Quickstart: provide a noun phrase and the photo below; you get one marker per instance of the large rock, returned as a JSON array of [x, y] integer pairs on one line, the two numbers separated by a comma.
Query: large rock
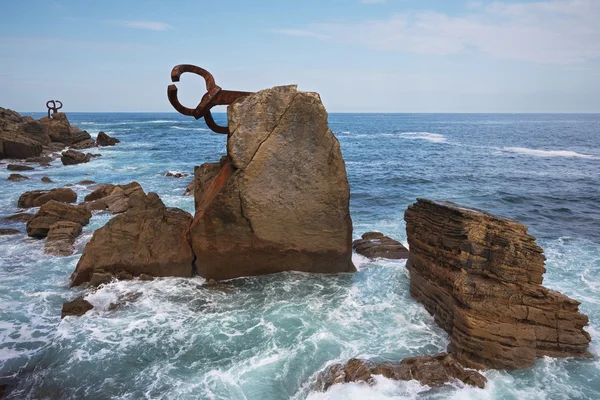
[[114, 198], [78, 136], [61, 237], [71, 157], [76, 308], [104, 140], [36, 198], [377, 245], [147, 239], [15, 145], [52, 212], [11, 123], [84, 144], [280, 202], [58, 128], [428, 370], [480, 276]]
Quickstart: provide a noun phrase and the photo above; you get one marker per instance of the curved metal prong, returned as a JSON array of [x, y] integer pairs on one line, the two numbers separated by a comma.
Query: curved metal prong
[[172, 95], [208, 118], [180, 69]]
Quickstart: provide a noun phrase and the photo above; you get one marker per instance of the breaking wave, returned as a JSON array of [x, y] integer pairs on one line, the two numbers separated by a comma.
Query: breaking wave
[[546, 153], [431, 137]]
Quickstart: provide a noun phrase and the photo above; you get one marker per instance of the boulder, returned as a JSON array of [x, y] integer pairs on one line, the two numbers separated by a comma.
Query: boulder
[[58, 128], [480, 276], [78, 136], [8, 231], [36, 198], [26, 127], [71, 157], [45, 179], [86, 182], [104, 140], [176, 174], [114, 198], [15, 145], [147, 239], [76, 308], [427, 370], [377, 245], [84, 144], [17, 178], [39, 159], [61, 237], [280, 201], [52, 212], [19, 167], [20, 217]]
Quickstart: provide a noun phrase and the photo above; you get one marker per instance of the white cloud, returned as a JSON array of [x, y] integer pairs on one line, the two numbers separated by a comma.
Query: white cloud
[[554, 31], [149, 25]]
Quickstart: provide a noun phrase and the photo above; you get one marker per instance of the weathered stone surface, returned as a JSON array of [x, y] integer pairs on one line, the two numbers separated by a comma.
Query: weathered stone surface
[[17, 178], [203, 176], [428, 370], [39, 159], [76, 308], [58, 128], [104, 140], [20, 135], [78, 136], [15, 145], [480, 276], [281, 200], [190, 188], [52, 212], [8, 231], [114, 198], [147, 239], [19, 167], [19, 217], [61, 237], [376, 244], [36, 198], [71, 157], [84, 144]]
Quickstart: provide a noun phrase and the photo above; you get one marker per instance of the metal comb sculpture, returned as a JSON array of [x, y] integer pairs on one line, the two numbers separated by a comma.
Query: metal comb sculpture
[[214, 96], [53, 107]]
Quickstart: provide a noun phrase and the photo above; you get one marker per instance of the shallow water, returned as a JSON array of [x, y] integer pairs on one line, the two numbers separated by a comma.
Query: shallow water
[[266, 337]]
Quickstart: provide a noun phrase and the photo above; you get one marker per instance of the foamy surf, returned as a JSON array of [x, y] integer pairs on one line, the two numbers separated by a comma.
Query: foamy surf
[[431, 137], [546, 153]]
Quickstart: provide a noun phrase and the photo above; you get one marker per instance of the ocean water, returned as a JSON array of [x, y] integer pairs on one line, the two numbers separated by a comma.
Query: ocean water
[[266, 337]]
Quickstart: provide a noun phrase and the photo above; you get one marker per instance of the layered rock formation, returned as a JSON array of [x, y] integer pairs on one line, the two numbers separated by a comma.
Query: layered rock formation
[[428, 370], [61, 237], [480, 276], [148, 239], [280, 201], [114, 198], [52, 212], [377, 245], [36, 198]]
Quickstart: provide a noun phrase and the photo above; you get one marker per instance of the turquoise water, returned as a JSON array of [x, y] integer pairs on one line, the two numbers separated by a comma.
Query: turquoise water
[[266, 337]]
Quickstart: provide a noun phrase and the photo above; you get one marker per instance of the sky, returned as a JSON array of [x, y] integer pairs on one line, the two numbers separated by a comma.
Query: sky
[[360, 55]]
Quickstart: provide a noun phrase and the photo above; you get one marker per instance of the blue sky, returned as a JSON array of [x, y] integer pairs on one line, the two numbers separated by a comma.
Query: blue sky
[[361, 56]]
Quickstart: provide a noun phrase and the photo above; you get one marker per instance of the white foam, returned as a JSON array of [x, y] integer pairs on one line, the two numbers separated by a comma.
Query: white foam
[[431, 137], [188, 129], [546, 153]]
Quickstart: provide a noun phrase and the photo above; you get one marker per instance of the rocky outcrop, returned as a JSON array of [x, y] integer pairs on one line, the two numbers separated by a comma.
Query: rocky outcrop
[[19, 167], [280, 201], [428, 370], [61, 237], [104, 140], [71, 157], [76, 308], [15, 145], [147, 239], [377, 245], [36, 198], [84, 144], [79, 136], [114, 198], [52, 212], [17, 178], [20, 137], [480, 276], [58, 128]]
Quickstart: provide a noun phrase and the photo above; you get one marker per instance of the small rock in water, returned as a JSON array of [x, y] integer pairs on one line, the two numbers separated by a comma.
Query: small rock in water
[[19, 167], [39, 159], [77, 308], [52, 212], [176, 174], [45, 179], [16, 178], [377, 245], [8, 231], [20, 217], [86, 182], [104, 140], [36, 198], [71, 157]]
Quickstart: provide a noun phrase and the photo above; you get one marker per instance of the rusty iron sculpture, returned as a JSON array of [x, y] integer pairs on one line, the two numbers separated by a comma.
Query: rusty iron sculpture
[[214, 96], [51, 104]]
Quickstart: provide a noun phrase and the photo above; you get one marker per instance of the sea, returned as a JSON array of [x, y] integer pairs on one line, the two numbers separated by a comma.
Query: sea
[[267, 337]]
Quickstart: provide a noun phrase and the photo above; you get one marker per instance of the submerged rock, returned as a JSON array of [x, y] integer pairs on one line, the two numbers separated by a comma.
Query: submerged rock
[[8, 231], [19, 167], [480, 276], [104, 140], [61, 237], [71, 157], [36, 198], [280, 201], [45, 179], [76, 308], [19, 217], [176, 174], [52, 212], [147, 239], [428, 370], [376, 244], [17, 178]]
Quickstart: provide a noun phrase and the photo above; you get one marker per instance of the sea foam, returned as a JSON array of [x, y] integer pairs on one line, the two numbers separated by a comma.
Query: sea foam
[[431, 137], [546, 153]]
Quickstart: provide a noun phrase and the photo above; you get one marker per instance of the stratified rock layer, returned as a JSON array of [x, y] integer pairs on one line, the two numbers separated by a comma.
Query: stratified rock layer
[[280, 201], [428, 370], [480, 276], [147, 239], [377, 245]]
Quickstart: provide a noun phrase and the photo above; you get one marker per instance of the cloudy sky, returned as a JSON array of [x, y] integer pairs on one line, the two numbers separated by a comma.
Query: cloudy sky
[[360, 55]]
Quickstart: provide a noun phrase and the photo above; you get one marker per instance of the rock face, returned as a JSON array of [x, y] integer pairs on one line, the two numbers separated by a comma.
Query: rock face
[[114, 198], [58, 128], [104, 140], [15, 145], [52, 212], [84, 144], [77, 308], [61, 237], [71, 157], [147, 239], [480, 276], [36, 198], [20, 137], [280, 201], [377, 245], [428, 370]]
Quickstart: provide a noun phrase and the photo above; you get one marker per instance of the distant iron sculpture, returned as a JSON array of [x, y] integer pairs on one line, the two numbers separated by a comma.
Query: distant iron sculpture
[[51, 104], [214, 96]]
